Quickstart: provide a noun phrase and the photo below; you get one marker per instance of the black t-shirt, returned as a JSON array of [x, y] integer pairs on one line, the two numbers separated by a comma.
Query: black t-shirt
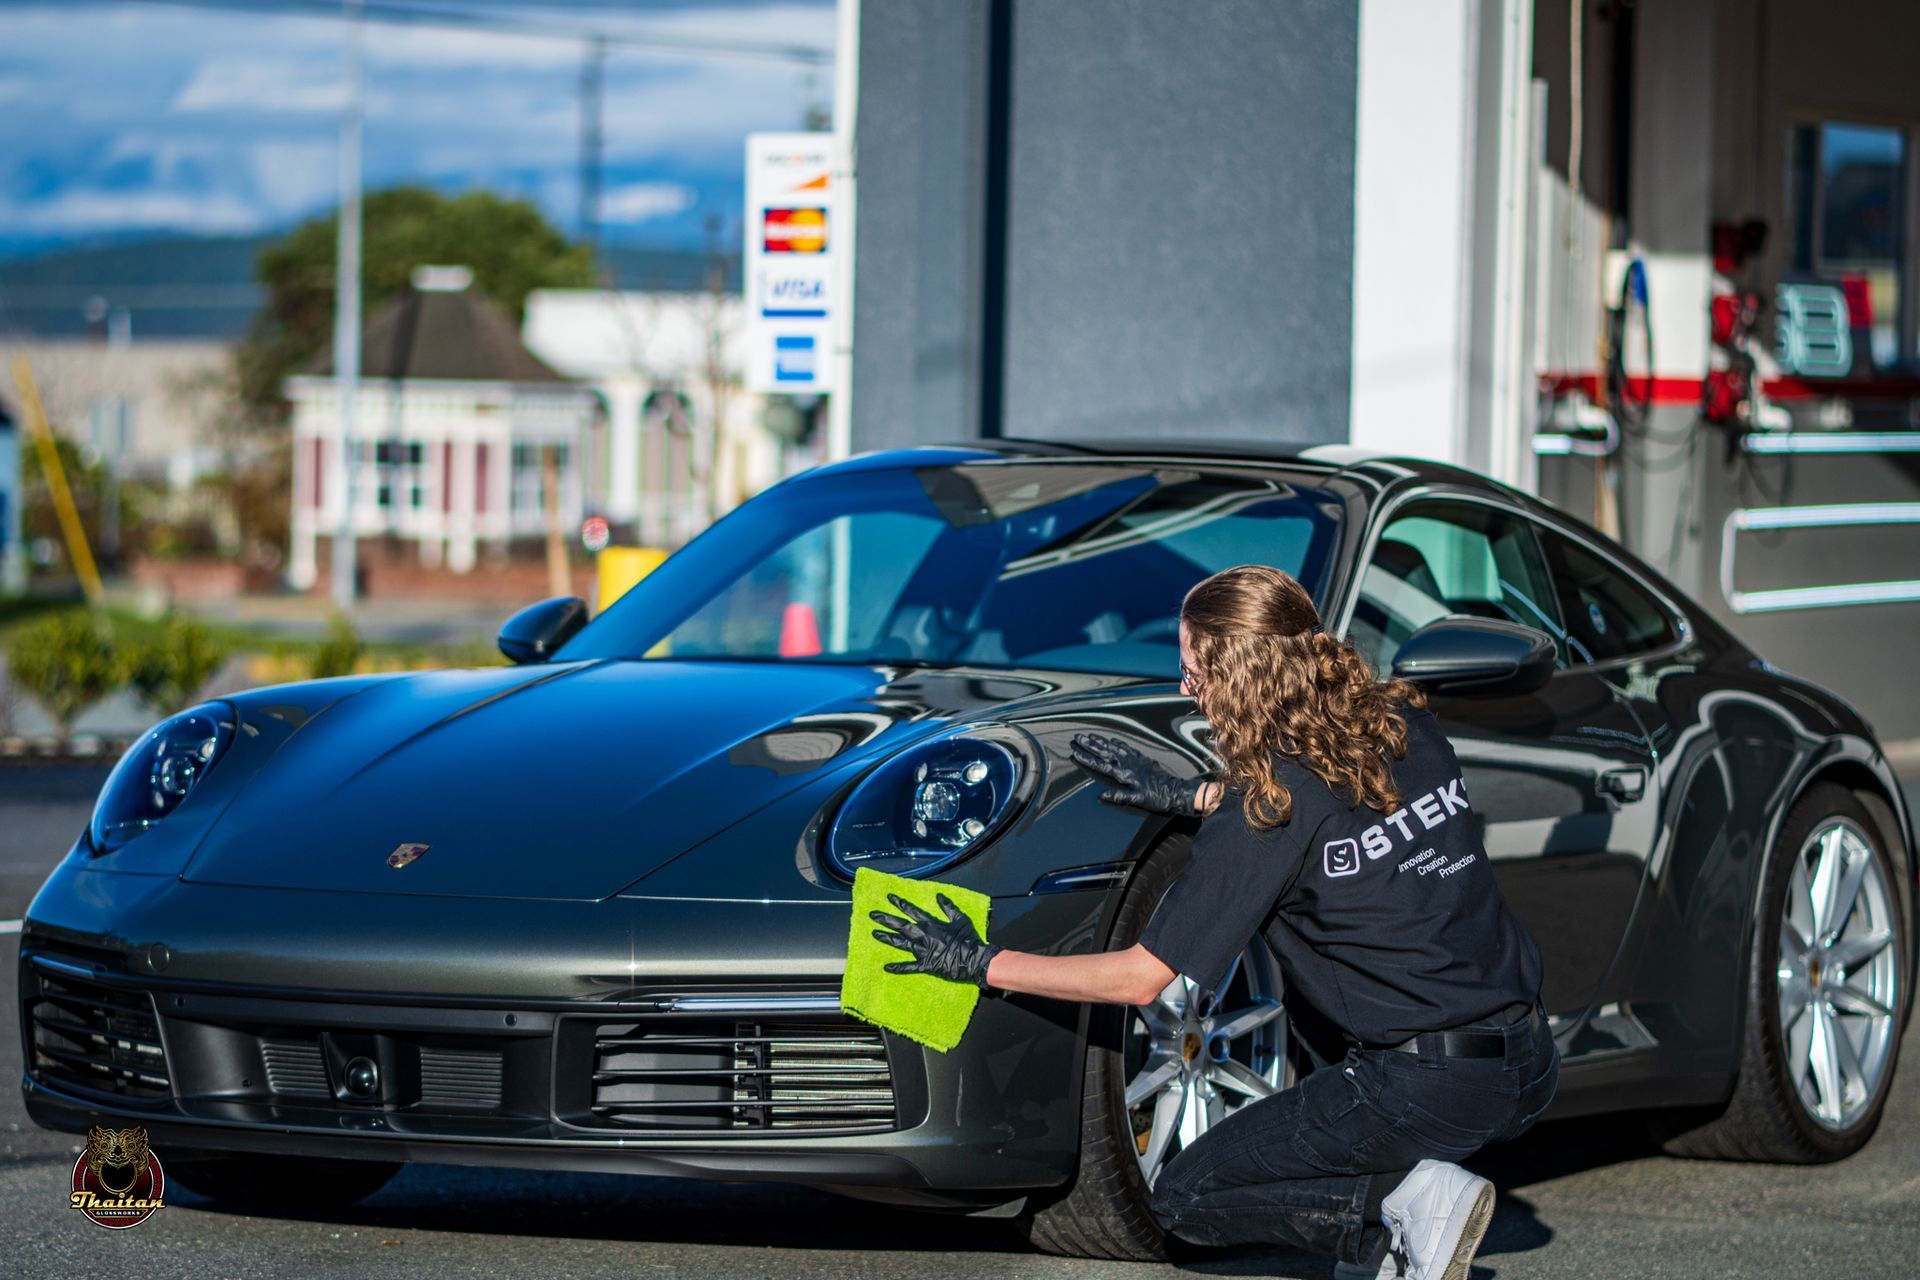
[[1389, 924]]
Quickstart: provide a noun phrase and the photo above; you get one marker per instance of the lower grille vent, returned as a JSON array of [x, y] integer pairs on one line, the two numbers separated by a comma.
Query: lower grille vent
[[686, 1074], [91, 1036], [460, 1077], [295, 1068]]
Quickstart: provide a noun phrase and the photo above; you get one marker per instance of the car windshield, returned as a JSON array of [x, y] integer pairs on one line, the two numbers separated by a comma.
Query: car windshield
[[1070, 565]]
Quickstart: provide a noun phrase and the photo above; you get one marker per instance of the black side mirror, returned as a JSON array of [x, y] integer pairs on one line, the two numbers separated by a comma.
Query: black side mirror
[[536, 632], [1476, 656]]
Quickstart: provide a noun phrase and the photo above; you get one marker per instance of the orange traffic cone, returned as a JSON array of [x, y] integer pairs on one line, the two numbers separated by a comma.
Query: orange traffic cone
[[799, 632]]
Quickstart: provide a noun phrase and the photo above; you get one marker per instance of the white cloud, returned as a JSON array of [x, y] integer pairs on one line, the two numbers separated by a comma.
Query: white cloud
[[263, 85], [292, 178], [84, 211], [810, 26], [420, 48], [222, 121], [643, 201]]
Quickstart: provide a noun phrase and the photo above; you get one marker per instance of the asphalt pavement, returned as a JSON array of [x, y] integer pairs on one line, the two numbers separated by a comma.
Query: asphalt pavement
[[1578, 1199]]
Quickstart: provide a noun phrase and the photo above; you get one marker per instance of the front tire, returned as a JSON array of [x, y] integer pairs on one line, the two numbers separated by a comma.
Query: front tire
[[279, 1182], [1158, 1081], [1826, 993]]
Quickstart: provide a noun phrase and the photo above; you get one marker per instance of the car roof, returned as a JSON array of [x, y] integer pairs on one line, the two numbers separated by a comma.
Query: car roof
[[1384, 470]]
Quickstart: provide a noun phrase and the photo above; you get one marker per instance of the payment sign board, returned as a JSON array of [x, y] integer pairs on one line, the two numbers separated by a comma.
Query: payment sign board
[[790, 248]]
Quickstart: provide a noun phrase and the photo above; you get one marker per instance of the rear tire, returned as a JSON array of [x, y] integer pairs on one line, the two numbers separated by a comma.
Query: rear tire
[[279, 1182], [1815, 1091]]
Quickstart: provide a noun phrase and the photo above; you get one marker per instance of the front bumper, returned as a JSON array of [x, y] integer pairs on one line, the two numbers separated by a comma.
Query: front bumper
[[516, 1079]]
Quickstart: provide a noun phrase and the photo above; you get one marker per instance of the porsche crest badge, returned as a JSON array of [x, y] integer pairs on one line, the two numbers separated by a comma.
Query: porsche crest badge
[[404, 854]]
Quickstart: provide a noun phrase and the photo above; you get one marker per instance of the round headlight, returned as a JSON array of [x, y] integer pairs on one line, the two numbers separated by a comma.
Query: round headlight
[[929, 805], [159, 772]]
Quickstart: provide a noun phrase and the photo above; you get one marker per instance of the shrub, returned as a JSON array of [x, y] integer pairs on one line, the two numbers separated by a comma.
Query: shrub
[[339, 653], [67, 662], [167, 670]]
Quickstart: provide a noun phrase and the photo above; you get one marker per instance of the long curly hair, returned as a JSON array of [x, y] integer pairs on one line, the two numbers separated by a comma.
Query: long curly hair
[[1271, 680]]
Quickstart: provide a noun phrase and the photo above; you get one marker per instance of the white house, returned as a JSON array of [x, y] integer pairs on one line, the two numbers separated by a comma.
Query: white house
[[670, 368], [451, 417]]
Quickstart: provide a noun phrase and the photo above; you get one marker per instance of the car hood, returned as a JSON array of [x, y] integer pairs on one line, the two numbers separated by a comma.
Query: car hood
[[567, 781]]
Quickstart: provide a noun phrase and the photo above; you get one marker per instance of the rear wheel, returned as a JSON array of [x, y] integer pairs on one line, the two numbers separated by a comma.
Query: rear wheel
[[1826, 993], [279, 1182], [1177, 1066]]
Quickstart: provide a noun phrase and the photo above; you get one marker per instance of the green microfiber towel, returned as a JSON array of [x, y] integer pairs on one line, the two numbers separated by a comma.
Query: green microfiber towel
[[919, 1006]]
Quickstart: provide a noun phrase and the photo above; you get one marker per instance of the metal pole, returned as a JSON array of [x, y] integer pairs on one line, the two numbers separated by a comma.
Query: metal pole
[[846, 95], [346, 316], [592, 81]]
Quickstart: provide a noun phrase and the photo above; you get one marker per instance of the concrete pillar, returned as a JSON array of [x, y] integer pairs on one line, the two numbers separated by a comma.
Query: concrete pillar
[[303, 568], [460, 519], [1412, 234], [1443, 177], [1670, 211], [624, 399]]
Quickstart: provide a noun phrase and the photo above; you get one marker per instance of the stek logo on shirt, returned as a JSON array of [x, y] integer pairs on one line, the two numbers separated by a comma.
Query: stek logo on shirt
[[1342, 857]]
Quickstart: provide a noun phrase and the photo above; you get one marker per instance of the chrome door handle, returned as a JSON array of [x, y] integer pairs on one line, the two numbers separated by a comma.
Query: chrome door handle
[[1624, 785]]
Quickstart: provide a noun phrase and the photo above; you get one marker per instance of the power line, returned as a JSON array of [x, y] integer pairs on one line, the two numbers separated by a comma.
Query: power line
[[401, 14]]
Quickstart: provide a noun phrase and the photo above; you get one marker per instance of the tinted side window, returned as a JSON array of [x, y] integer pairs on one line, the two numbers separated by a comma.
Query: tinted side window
[[1439, 559], [1607, 614]]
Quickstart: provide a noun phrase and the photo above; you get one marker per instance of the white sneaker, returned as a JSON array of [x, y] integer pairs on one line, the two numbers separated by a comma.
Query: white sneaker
[[1437, 1217], [1389, 1269]]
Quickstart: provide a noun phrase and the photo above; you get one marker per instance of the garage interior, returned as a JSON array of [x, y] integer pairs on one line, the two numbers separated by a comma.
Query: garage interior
[[1651, 261]]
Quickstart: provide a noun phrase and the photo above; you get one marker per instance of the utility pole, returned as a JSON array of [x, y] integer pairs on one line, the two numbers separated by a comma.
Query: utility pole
[[346, 314], [846, 94], [593, 74]]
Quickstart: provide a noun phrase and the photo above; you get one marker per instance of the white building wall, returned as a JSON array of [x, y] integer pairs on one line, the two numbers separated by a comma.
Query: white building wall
[[1443, 217], [1414, 156], [628, 345], [175, 393]]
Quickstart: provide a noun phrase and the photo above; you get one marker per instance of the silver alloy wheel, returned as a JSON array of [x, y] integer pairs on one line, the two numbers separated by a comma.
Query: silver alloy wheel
[[1838, 974], [1189, 1063]]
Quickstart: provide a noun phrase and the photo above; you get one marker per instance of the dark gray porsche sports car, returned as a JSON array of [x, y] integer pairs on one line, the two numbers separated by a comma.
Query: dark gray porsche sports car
[[591, 911]]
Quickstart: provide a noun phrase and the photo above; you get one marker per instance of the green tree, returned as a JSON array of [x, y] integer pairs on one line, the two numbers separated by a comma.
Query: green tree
[[510, 246], [86, 481], [67, 662], [339, 653], [168, 669]]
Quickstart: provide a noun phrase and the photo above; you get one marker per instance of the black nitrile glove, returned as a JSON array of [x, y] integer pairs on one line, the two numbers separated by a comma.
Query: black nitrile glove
[[1140, 781], [950, 948]]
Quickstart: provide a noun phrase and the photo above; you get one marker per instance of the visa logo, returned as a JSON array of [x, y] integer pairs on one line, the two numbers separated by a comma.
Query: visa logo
[[793, 296], [790, 290]]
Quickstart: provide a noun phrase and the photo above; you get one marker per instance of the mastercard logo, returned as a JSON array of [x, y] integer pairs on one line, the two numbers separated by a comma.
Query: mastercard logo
[[796, 231]]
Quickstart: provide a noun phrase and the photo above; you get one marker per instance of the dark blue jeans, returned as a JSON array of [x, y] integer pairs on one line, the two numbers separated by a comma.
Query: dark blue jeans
[[1308, 1166]]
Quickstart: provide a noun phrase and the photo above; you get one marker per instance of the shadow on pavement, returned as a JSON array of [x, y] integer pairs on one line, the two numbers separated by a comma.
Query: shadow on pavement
[[639, 1209], [454, 1198]]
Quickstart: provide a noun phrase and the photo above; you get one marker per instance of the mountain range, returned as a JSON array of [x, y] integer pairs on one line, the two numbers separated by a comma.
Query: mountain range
[[204, 286]]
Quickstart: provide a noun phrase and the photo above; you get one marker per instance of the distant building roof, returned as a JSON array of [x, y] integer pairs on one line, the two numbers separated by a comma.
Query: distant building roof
[[442, 332]]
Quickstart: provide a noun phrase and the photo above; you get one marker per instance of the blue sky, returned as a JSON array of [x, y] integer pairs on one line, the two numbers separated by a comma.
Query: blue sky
[[118, 119]]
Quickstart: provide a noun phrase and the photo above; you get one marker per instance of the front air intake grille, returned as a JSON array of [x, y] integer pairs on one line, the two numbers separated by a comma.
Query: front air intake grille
[[295, 1068], [94, 1037], [460, 1077], [732, 1075]]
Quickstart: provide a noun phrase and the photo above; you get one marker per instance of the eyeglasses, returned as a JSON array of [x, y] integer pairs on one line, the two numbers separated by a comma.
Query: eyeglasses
[[1189, 678]]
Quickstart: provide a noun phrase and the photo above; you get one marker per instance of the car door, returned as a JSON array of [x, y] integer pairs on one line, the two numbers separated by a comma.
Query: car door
[[1560, 777]]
